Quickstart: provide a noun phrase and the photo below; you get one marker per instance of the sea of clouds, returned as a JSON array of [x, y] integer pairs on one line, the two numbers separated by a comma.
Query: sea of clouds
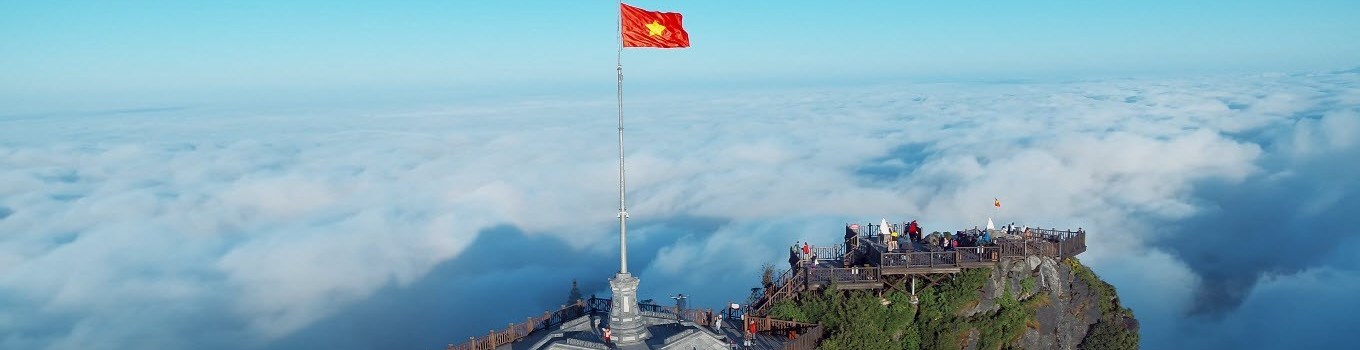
[[1218, 206]]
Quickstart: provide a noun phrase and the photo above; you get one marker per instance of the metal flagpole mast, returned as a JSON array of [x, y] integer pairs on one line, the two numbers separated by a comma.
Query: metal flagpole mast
[[623, 208]]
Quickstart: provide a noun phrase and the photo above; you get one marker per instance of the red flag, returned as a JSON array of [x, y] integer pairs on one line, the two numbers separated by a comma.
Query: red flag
[[642, 28]]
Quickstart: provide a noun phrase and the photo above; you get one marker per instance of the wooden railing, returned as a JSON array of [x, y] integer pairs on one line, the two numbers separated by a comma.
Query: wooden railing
[[801, 336], [954, 258], [808, 340], [1050, 243], [1046, 242], [833, 252], [791, 282], [788, 284], [843, 275], [582, 307]]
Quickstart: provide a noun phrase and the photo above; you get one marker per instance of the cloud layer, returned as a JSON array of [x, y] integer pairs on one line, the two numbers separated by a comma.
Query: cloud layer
[[211, 228]]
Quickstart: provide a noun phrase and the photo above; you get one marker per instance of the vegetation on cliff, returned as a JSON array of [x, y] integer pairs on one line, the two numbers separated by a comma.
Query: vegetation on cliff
[[949, 315], [1117, 329]]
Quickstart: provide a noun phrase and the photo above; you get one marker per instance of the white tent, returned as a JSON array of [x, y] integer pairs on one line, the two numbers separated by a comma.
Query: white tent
[[989, 224]]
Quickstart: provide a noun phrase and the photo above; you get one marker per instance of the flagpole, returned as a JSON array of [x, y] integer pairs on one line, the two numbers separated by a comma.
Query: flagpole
[[623, 208]]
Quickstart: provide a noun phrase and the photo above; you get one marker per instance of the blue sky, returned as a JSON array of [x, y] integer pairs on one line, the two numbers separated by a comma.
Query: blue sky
[[166, 51]]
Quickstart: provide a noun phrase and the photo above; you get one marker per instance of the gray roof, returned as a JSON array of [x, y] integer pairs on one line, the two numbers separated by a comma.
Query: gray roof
[[583, 333]]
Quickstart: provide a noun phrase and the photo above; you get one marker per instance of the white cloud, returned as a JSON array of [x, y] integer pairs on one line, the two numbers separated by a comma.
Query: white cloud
[[273, 223]]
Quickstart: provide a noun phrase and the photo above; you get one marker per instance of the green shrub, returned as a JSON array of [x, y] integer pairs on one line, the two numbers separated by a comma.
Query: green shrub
[[1005, 326], [1104, 291], [1107, 334], [788, 310]]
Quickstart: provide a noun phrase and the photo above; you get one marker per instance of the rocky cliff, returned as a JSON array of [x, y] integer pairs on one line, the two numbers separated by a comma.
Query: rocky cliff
[[1067, 305], [1032, 303]]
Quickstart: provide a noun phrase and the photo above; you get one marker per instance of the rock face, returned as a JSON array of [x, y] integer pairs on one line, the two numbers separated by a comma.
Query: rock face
[[1076, 302], [1031, 303]]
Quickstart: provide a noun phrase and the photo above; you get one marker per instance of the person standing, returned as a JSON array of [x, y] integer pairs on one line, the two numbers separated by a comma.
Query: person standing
[[750, 332], [807, 250], [743, 328], [892, 245]]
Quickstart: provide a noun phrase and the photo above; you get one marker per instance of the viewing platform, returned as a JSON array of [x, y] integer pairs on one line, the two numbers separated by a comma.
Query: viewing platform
[[864, 262]]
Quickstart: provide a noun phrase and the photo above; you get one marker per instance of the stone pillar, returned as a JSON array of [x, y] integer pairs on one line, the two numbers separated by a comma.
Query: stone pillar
[[625, 320]]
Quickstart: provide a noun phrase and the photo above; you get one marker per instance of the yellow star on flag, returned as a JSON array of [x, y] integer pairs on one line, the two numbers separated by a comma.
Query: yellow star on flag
[[655, 28]]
